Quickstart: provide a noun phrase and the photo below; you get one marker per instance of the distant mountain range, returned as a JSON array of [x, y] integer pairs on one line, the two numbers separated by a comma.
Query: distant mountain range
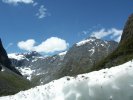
[[78, 59], [37, 68]]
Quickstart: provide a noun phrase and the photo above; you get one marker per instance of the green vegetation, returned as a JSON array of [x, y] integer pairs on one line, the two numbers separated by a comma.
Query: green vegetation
[[11, 83], [124, 52]]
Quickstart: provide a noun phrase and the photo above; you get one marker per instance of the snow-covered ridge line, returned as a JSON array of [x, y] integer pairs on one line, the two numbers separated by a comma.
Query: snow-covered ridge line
[[62, 53], [115, 83], [16, 56], [84, 42]]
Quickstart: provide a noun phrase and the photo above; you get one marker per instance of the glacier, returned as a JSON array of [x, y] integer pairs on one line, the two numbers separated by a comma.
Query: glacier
[[114, 83]]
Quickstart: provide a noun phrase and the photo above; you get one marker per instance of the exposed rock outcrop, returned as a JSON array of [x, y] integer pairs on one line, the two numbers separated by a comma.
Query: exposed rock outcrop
[[83, 56], [11, 80], [5, 61]]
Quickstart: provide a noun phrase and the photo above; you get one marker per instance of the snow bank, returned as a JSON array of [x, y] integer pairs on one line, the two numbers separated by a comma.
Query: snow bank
[[108, 84]]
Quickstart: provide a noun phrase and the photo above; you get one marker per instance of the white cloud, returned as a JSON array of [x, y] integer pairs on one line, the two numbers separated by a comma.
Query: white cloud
[[112, 33], [18, 1], [42, 12], [27, 45], [50, 45]]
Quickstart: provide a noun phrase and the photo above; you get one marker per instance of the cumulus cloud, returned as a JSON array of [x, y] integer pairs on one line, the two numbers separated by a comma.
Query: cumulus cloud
[[18, 1], [42, 12], [27, 45], [112, 33], [50, 45]]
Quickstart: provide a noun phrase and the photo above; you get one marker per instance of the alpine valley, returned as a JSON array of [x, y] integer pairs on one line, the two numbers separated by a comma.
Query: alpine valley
[[92, 69]]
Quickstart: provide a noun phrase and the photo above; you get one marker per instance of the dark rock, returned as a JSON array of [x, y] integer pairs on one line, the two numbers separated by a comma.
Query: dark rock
[[128, 29], [5, 61], [32, 54], [11, 80], [43, 67], [83, 56]]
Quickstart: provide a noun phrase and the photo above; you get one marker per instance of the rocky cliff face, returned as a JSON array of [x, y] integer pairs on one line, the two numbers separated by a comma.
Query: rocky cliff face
[[37, 68], [3, 56], [23, 59], [83, 56], [11, 80], [5, 61]]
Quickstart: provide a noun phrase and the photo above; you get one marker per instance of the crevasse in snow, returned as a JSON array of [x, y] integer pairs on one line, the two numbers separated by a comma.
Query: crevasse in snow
[[115, 83]]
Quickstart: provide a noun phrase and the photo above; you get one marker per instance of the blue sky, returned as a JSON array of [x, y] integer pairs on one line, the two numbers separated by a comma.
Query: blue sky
[[58, 20]]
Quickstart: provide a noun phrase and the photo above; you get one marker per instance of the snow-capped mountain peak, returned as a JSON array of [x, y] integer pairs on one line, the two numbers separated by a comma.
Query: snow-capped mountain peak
[[85, 54], [90, 39], [16, 56], [62, 53], [32, 54], [35, 65], [21, 56]]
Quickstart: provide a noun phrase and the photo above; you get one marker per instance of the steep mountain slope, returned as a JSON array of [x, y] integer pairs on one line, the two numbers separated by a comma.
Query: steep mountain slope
[[11, 80], [11, 83], [79, 59], [82, 56], [37, 68], [115, 83], [124, 52], [4, 59]]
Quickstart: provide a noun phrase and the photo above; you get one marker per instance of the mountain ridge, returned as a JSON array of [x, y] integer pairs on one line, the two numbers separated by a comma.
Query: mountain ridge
[[45, 69], [124, 51], [83, 55], [11, 80]]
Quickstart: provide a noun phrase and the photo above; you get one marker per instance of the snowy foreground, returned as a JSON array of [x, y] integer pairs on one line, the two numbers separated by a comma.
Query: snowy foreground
[[108, 84]]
